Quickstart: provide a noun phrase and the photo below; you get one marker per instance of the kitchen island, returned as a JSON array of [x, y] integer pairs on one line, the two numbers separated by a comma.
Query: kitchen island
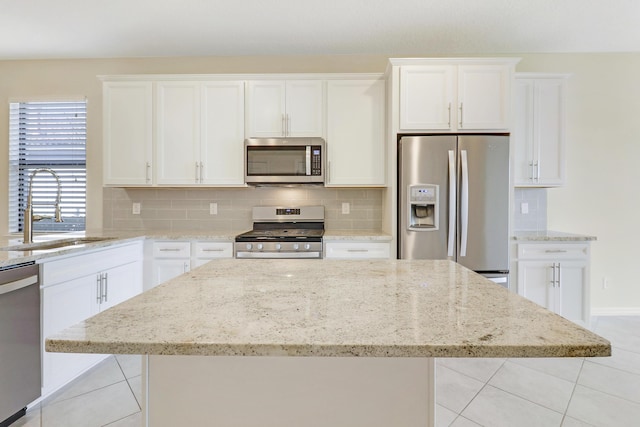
[[316, 342]]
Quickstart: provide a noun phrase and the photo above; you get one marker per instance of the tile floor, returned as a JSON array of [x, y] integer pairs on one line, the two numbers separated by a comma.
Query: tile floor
[[570, 392]]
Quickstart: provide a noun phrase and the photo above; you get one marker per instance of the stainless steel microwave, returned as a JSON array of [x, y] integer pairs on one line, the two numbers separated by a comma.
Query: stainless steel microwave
[[284, 161]]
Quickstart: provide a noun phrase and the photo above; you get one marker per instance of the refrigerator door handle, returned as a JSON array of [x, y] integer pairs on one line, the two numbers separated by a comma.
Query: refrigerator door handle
[[452, 203], [464, 203]]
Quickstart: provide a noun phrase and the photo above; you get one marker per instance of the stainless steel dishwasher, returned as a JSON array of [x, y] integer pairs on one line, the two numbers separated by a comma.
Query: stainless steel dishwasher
[[20, 378]]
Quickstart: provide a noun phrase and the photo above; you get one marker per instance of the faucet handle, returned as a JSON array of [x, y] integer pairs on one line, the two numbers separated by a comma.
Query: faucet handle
[[36, 218]]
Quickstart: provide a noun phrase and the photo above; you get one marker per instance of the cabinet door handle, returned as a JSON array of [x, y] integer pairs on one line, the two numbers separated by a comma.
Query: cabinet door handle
[[532, 172], [536, 169], [147, 174], [105, 290], [197, 171], [287, 126], [185, 267], [461, 115], [558, 276], [98, 288], [449, 122], [284, 126], [201, 172]]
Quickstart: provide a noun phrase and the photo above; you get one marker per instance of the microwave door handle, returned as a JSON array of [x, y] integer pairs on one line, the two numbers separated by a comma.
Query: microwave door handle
[[308, 160]]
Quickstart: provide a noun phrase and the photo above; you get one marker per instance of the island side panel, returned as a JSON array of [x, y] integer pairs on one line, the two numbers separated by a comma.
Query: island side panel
[[300, 391]]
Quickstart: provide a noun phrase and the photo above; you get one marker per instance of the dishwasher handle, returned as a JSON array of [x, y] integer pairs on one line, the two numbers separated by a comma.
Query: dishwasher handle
[[5, 288]]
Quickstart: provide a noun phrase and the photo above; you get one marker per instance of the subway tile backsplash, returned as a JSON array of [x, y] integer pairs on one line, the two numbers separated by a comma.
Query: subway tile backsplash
[[536, 219], [187, 209]]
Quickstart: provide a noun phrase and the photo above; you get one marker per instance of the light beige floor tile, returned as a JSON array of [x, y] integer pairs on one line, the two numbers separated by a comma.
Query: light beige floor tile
[[131, 364], [444, 416], [535, 386], [623, 335], [480, 369], [135, 384], [610, 380], [572, 422], [464, 422], [620, 359], [134, 420], [601, 409], [454, 390], [96, 408], [566, 368], [103, 374], [497, 408]]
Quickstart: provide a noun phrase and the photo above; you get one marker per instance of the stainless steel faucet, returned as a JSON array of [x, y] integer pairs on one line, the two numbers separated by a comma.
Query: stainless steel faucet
[[28, 210]]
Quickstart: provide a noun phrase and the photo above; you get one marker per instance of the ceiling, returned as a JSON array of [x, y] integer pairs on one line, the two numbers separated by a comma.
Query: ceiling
[[38, 29]]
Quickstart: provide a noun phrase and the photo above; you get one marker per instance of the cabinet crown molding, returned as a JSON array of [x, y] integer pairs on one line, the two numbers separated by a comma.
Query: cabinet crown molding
[[236, 77]]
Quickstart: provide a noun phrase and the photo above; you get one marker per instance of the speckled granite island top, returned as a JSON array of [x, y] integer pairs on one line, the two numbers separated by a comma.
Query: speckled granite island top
[[377, 308]]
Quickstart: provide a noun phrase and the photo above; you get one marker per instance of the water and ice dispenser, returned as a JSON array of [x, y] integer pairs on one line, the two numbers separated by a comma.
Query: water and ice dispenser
[[423, 207]]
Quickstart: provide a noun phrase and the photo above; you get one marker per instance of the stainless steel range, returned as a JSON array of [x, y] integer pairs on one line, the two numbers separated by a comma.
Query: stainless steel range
[[281, 232]]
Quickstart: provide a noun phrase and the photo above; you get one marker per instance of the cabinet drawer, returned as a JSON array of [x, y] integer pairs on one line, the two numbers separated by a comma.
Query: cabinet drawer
[[169, 249], [355, 250], [213, 250], [553, 251]]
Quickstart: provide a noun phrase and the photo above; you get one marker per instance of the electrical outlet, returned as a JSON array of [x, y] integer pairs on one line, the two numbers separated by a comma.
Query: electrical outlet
[[136, 209], [346, 208], [606, 282], [524, 208], [213, 209]]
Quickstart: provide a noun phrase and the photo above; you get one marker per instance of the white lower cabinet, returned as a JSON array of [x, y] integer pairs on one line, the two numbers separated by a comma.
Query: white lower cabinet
[[172, 258], [75, 288], [356, 250], [556, 276]]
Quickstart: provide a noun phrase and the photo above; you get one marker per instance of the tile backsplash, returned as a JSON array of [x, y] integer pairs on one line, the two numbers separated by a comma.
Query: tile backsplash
[[536, 200], [187, 209]]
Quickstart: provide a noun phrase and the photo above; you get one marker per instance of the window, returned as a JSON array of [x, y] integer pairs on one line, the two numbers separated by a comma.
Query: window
[[48, 135]]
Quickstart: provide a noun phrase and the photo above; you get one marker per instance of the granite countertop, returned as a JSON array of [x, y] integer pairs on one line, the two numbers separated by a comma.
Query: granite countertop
[[374, 308], [551, 236]]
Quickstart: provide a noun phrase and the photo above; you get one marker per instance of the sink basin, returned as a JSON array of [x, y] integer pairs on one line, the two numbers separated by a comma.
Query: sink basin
[[56, 244]]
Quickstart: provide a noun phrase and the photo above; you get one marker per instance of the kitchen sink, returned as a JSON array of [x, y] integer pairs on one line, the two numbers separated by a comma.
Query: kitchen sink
[[57, 244]]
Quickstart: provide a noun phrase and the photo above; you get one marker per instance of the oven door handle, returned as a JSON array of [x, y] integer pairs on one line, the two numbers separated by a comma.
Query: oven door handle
[[275, 255]]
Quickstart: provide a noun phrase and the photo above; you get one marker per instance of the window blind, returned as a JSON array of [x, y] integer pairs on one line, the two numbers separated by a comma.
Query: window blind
[[48, 135]]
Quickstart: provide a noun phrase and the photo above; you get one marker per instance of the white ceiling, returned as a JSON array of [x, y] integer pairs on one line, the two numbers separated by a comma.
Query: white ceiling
[[33, 29]]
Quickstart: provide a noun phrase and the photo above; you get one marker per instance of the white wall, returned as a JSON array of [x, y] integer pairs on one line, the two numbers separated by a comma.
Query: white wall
[[602, 194], [603, 136]]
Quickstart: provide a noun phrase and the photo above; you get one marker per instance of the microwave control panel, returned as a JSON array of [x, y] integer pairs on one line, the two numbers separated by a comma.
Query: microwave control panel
[[316, 160]]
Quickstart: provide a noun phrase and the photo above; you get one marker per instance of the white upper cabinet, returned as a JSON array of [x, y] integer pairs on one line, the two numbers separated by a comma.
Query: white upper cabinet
[[127, 133], [538, 134], [483, 97], [355, 133], [426, 97], [222, 133], [285, 108], [177, 133], [455, 97], [199, 133]]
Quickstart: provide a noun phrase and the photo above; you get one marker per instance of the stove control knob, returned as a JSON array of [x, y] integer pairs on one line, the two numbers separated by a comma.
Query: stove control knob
[[260, 246], [296, 246], [249, 246], [278, 246], [307, 246]]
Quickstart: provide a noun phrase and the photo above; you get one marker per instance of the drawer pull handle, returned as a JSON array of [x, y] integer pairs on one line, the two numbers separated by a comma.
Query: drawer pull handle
[[357, 250], [213, 250], [169, 249], [556, 251]]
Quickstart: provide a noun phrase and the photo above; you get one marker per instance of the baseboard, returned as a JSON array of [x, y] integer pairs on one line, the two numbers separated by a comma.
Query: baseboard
[[615, 311]]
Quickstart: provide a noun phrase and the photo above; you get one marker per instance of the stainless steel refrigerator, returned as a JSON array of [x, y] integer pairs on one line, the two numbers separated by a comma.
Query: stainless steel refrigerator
[[453, 201]]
